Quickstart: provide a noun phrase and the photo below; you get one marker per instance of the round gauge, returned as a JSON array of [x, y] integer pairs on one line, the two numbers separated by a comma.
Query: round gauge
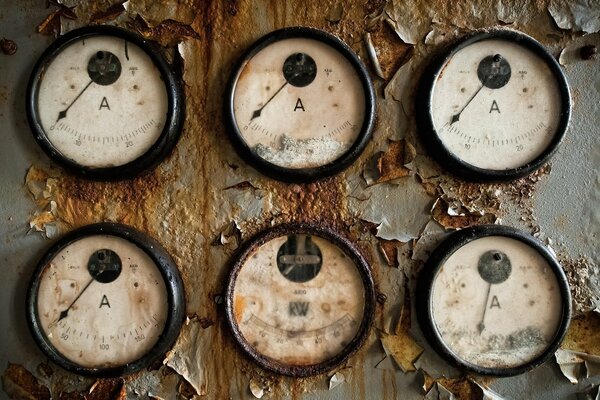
[[105, 300], [494, 107], [300, 299], [300, 105], [103, 103], [493, 300]]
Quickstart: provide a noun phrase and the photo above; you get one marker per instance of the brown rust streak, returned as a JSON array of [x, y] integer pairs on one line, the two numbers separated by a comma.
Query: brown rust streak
[[19, 383]]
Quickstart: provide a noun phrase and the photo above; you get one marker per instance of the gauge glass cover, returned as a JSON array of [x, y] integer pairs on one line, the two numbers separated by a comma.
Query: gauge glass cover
[[496, 304], [101, 303], [302, 103], [498, 107], [104, 103], [299, 303]]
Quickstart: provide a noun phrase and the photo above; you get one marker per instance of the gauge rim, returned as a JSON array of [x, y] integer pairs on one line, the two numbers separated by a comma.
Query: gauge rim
[[432, 267], [350, 250], [430, 136], [298, 175], [157, 152], [173, 284]]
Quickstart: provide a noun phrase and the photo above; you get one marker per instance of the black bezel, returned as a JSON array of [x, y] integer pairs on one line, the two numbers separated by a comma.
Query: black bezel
[[426, 125], [435, 262], [173, 284], [173, 123], [300, 174], [368, 313]]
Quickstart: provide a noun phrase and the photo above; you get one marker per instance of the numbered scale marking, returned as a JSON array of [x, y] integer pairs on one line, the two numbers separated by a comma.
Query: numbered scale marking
[[493, 300], [300, 105], [104, 103], [494, 107], [300, 299], [105, 300]]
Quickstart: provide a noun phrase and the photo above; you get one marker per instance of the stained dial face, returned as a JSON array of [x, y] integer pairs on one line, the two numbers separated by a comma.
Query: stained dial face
[[496, 303], [299, 103], [102, 302], [102, 102], [496, 105], [298, 300]]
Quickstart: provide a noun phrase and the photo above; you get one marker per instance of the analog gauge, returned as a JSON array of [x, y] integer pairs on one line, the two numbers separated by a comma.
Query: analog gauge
[[105, 300], [493, 300], [300, 299], [494, 107], [104, 103], [300, 105]]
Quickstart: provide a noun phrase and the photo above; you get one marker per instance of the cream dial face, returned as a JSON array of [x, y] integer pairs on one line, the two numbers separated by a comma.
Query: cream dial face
[[496, 303], [102, 302], [299, 103], [102, 102], [298, 300], [496, 105]]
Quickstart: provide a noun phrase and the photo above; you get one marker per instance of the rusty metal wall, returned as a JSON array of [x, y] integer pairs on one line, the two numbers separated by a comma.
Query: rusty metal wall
[[203, 192]]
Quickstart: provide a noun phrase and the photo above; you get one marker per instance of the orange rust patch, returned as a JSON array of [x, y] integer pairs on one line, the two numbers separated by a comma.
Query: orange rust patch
[[392, 53], [464, 220], [112, 12], [168, 33], [583, 334], [238, 308], [19, 383]]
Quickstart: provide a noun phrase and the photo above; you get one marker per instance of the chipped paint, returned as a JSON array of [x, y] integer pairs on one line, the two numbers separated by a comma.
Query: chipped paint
[[203, 201]]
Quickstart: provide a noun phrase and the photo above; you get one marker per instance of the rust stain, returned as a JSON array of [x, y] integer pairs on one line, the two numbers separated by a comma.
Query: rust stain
[[392, 52], [238, 308], [464, 219], [19, 383], [463, 388], [168, 33], [389, 250], [107, 389], [583, 334], [109, 14], [8, 46]]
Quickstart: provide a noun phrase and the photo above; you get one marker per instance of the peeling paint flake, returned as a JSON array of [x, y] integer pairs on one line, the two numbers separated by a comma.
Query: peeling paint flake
[[373, 55], [577, 15], [336, 380], [395, 219], [19, 383], [407, 20], [259, 387], [579, 355], [335, 13], [428, 240], [184, 358], [168, 32], [109, 14], [390, 165], [401, 346], [454, 215]]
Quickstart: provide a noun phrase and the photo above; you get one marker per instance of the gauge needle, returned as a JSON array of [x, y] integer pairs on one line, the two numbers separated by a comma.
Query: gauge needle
[[63, 113], [456, 117], [65, 313], [481, 325], [256, 113]]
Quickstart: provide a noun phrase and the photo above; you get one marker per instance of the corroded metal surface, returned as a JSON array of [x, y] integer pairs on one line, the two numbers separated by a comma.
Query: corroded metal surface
[[394, 202]]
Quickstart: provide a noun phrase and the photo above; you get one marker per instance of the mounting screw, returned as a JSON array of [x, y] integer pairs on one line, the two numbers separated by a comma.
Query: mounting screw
[[9, 47]]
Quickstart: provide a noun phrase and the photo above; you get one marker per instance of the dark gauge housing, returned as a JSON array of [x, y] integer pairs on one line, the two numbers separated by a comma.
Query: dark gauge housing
[[494, 267], [104, 266], [494, 72], [300, 70], [310, 259], [104, 69]]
